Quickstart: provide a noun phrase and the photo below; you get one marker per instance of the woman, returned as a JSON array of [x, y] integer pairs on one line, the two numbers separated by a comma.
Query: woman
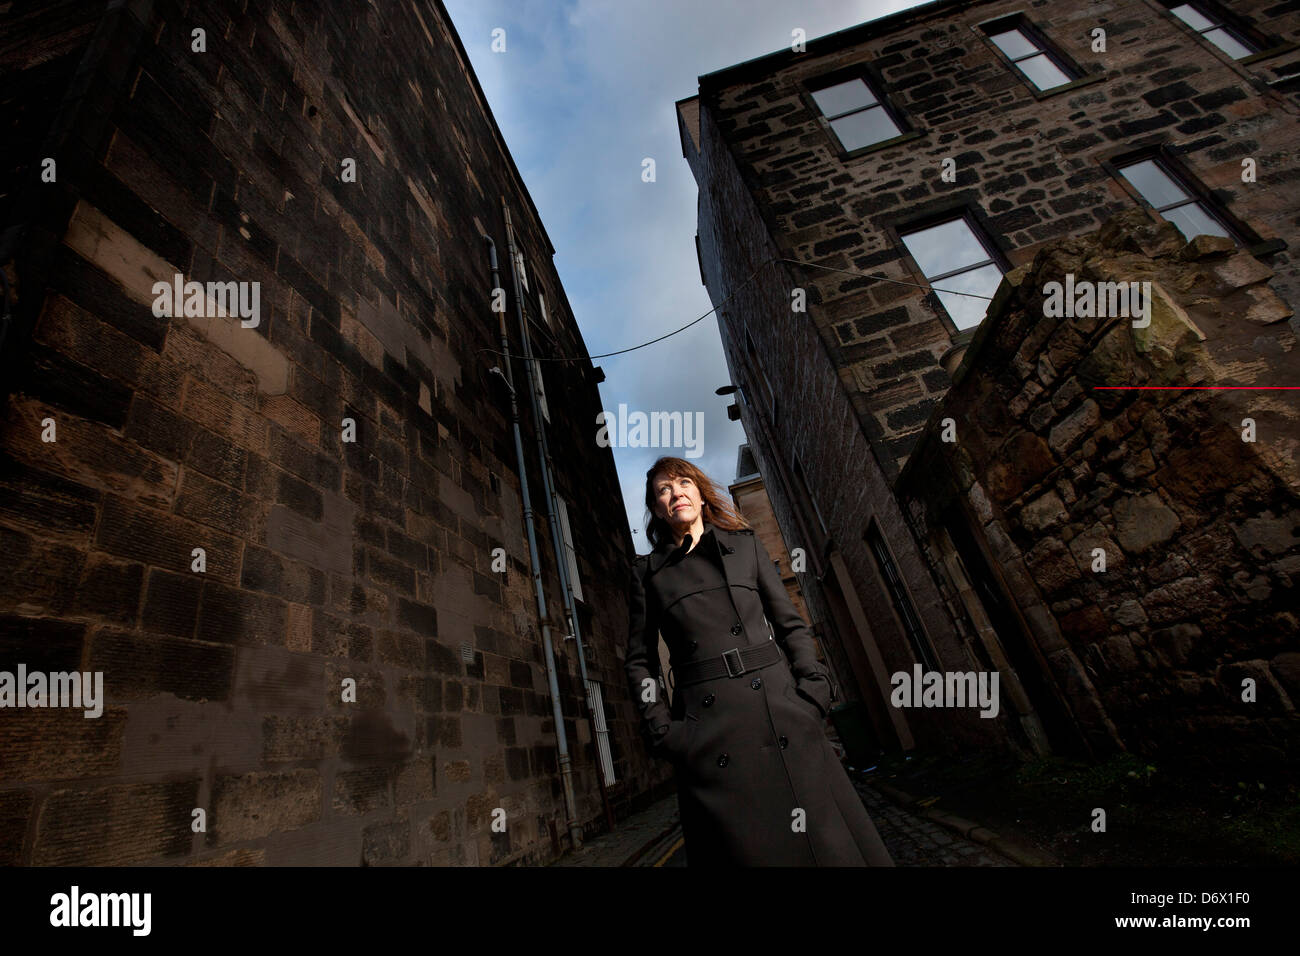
[[758, 783]]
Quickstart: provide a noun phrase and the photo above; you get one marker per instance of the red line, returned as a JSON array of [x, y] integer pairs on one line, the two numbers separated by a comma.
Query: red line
[[1195, 386]]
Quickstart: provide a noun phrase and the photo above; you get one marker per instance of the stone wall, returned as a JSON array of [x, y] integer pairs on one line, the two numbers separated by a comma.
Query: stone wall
[[326, 559], [1154, 552]]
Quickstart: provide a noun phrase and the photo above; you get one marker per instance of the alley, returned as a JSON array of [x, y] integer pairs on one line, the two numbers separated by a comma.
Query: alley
[[654, 838]]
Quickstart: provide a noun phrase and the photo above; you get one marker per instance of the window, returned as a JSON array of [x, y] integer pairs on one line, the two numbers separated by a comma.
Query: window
[[1045, 68], [541, 307], [1168, 197], [569, 551], [856, 114], [902, 602], [541, 389], [596, 696], [956, 260], [1212, 28]]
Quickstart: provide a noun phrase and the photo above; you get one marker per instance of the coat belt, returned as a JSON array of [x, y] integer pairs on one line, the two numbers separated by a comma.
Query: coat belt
[[732, 663]]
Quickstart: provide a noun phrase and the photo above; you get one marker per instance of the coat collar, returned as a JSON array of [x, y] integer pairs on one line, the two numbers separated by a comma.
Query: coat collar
[[667, 551]]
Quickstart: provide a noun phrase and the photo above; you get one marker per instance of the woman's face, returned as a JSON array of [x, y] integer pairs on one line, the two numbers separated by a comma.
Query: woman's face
[[677, 500]]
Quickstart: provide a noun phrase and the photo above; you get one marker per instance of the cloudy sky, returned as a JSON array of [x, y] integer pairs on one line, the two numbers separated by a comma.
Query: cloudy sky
[[583, 93]]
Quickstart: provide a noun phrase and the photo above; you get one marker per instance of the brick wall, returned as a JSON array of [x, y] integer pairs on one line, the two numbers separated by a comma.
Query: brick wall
[[325, 559]]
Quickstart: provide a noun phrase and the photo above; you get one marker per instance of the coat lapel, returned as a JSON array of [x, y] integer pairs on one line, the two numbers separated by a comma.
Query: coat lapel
[[668, 551]]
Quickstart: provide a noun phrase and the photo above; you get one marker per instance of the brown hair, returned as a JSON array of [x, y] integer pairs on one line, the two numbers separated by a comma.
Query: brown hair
[[714, 508]]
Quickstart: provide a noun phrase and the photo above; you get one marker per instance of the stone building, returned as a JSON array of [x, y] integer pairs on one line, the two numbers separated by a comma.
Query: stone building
[[750, 498], [958, 147], [235, 517]]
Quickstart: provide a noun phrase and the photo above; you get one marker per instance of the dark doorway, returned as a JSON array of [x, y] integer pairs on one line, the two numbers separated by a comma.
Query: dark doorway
[[1062, 734]]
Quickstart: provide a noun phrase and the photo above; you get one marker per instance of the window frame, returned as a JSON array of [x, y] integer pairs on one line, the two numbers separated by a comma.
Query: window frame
[[1046, 46], [1170, 158], [570, 551], [879, 88], [996, 256], [1265, 45], [901, 601], [1167, 162]]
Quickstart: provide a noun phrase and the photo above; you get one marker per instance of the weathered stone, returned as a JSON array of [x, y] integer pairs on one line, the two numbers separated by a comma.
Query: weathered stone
[[1267, 535], [1143, 521], [1043, 513], [1269, 693], [1068, 431], [1083, 544], [1241, 270]]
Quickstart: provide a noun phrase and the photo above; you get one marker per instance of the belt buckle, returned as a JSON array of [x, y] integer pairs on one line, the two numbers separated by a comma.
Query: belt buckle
[[740, 667]]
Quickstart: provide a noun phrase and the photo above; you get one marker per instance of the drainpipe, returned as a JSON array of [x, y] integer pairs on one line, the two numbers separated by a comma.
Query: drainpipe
[[570, 805], [552, 510]]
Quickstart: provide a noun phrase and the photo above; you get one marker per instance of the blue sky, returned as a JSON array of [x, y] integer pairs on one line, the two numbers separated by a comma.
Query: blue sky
[[583, 93]]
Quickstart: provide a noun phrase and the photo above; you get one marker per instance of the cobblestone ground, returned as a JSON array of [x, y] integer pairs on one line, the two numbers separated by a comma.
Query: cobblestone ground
[[631, 835], [916, 841], [910, 839]]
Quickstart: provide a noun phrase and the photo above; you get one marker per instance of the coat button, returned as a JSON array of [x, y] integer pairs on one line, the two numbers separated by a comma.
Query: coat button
[[694, 644], [784, 741], [727, 550], [735, 628], [723, 760], [756, 683], [708, 701]]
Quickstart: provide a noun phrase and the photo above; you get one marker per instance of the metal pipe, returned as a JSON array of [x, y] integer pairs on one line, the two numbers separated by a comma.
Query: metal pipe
[[570, 805], [557, 538], [566, 769]]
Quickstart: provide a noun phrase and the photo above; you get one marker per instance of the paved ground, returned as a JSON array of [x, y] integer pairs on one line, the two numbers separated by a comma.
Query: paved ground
[[915, 841], [653, 838]]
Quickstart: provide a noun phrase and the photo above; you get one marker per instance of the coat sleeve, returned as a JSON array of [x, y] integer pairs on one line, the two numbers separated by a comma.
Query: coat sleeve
[[813, 680], [642, 663]]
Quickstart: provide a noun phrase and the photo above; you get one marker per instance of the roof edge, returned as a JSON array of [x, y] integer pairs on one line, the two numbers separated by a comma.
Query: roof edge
[[822, 45]]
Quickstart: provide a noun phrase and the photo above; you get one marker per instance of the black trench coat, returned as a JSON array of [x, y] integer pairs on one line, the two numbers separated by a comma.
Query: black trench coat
[[749, 751]]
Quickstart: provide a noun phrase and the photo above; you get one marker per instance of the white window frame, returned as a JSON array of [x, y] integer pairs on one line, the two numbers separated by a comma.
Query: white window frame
[[877, 102], [570, 552]]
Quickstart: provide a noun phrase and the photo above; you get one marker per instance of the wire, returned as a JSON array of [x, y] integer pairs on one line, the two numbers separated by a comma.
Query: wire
[[796, 262]]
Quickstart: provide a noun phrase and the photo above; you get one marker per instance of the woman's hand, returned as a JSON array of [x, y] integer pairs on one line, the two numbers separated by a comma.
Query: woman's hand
[[816, 690]]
